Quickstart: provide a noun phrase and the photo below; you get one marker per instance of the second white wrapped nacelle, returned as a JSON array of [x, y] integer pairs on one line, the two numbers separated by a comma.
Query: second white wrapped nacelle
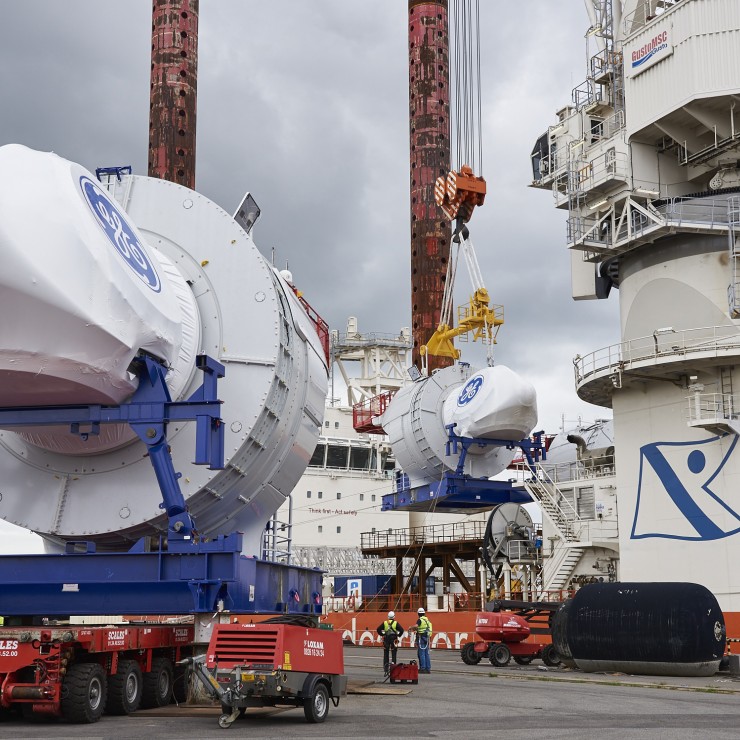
[[494, 403]]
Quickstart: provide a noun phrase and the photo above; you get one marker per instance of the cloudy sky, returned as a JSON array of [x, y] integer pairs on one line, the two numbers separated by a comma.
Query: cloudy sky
[[305, 104]]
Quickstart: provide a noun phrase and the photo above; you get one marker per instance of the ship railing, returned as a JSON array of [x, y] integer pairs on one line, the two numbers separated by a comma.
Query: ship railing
[[637, 221], [371, 339], [606, 167], [451, 532], [588, 93], [664, 343], [707, 409], [568, 472], [681, 210], [408, 602], [706, 214], [607, 128], [644, 13], [596, 530]]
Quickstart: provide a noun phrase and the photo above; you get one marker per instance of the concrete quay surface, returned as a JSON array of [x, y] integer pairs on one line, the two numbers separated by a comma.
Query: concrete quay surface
[[454, 701]]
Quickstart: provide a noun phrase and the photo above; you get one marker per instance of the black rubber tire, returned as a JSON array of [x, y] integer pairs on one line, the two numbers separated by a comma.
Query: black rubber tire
[[523, 659], [499, 655], [550, 656], [124, 688], [158, 684], [468, 654], [181, 684], [84, 693], [316, 708]]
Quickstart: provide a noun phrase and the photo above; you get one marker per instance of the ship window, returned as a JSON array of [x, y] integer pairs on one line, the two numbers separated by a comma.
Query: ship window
[[337, 456], [326, 424], [339, 495], [321, 494], [372, 531], [308, 494], [359, 458], [373, 497], [317, 459], [362, 497], [321, 529], [339, 530], [336, 425]]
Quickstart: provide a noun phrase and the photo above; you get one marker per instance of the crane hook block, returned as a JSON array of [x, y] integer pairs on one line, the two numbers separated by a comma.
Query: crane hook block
[[459, 193]]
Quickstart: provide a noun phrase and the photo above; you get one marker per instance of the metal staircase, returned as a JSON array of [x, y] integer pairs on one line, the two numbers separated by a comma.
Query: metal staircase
[[567, 526]]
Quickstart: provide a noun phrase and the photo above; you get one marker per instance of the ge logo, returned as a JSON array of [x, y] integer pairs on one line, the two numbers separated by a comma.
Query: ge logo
[[120, 233], [468, 393]]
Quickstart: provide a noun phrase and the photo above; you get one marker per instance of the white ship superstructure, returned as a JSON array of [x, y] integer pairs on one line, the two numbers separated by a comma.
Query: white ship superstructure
[[644, 161]]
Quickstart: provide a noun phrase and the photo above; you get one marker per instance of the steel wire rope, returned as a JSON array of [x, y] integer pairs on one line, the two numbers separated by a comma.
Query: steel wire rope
[[478, 88], [456, 81], [465, 81], [447, 296]]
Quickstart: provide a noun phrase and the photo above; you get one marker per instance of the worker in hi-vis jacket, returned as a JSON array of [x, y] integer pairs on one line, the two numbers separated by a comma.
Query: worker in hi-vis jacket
[[391, 632], [423, 629]]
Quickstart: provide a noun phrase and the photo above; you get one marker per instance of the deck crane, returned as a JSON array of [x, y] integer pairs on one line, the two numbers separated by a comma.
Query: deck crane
[[458, 193]]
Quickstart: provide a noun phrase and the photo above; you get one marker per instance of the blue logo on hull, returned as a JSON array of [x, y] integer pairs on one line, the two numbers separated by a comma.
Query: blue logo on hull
[[682, 505], [120, 233]]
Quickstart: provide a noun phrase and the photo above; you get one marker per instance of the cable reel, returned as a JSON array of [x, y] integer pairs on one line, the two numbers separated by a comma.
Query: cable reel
[[508, 523]]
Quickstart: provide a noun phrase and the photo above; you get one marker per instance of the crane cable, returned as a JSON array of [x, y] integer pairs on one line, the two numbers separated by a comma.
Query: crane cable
[[465, 76]]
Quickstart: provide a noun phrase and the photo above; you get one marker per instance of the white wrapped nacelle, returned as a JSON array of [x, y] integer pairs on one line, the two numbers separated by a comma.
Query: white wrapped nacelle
[[494, 403], [89, 282]]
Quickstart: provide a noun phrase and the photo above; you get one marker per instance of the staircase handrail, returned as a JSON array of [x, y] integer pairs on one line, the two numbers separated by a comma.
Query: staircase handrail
[[555, 565], [541, 486]]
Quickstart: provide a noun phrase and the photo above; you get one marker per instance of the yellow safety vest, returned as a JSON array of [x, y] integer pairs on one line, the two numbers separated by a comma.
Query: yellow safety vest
[[390, 626], [425, 628]]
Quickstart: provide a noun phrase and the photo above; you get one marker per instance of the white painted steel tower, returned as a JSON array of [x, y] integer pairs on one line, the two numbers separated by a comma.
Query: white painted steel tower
[[645, 161]]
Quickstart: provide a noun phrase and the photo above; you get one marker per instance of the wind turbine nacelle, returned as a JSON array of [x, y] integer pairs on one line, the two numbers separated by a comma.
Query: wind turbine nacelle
[[494, 403], [95, 276]]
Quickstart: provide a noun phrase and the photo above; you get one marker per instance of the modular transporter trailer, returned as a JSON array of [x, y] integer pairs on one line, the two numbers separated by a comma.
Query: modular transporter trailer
[[80, 672]]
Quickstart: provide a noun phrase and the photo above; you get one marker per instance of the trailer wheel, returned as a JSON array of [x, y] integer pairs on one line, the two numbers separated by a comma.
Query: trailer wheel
[[469, 655], [158, 684], [124, 688], [316, 707], [228, 709], [84, 692], [500, 655], [523, 659], [550, 656], [181, 683]]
